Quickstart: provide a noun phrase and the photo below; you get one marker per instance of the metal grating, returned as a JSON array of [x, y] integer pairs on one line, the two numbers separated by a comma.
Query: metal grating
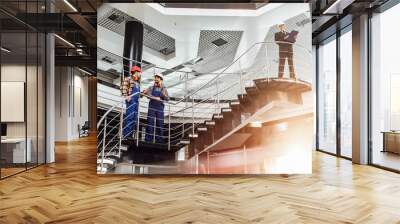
[[217, 48], [115, 61], [114, 20]]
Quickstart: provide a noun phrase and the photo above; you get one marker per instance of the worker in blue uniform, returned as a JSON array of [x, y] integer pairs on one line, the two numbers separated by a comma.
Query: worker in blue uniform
[[155, 116], [130, 89]]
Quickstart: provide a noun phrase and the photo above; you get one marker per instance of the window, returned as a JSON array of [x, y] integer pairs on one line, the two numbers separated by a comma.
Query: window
[[23, 77], [346, 92], [385, 89], [327, 96]]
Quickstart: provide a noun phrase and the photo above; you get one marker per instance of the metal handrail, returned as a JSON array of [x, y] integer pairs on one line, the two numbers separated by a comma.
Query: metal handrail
[[222, 72], [172, 138], [113, 128], [188, 107], [112, 107], [173, 70]]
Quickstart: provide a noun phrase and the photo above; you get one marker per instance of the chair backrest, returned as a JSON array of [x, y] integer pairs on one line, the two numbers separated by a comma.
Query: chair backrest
[[86, 125]]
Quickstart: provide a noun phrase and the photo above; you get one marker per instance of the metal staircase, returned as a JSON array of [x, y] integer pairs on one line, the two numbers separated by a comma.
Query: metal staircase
[[204, 118]]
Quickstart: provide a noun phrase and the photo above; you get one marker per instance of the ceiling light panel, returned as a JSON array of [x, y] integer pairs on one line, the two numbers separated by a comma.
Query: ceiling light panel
[[217, 48]]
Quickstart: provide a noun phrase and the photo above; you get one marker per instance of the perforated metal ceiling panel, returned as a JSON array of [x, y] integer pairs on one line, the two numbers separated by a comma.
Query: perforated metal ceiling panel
[[114, 62], [217, 48], [114, 20]]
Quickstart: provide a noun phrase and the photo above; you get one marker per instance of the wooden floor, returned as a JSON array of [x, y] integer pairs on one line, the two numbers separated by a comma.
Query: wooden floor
[[69, 191], [386, 159]]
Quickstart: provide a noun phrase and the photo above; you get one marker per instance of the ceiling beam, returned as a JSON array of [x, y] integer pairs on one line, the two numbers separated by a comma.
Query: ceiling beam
[[82, 61]]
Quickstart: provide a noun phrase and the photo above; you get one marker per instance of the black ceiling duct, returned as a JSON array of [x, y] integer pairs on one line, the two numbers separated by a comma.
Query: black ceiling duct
[[133, 45]]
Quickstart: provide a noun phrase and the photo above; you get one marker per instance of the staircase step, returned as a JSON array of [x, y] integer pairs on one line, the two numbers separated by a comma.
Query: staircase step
[[211, 123], [259, 80], [193, 135], [226, 110], [186, 142], [124, 148], [113, 153], [217, 116], [243, 98], [115, 156], [252, 90], [234, 103], [107, 161], [235, 107], [100, 170]]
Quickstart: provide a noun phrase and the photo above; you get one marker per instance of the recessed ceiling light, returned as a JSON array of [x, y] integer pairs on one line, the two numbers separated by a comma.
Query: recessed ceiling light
[[64, 40], [5, 50], [86, 72], [337, 7], [70, 5]]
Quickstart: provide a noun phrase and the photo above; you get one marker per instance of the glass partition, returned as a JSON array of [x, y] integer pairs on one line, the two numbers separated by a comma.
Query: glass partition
[[327, 96], [346, 93], [385, 89], [13, 103], [22, 90]]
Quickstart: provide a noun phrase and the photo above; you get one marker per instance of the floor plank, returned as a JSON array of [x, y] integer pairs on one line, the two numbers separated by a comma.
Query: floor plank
[[70, 191]]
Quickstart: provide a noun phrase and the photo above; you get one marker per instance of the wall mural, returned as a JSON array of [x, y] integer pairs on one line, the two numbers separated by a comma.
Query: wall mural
[[192, 111]]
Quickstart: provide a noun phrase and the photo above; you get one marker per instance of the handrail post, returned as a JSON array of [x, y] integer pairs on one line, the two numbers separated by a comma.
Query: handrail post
[[193, 115], [154, 130], [183, 127], [197, 164], [138, 122], [241, 82], [169, 127], [121, 125], [104, 144], [183, 111], [241, 78], [218, 97]]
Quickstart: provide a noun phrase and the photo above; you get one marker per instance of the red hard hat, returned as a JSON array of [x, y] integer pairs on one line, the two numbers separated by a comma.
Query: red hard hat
[[135, 69]]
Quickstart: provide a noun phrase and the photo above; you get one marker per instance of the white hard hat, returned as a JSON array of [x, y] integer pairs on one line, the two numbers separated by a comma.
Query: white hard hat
[[160, 75], [281, 23]]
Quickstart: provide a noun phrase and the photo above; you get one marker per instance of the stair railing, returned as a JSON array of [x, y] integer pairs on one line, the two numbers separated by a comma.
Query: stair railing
[[103, 120], [211, 97]]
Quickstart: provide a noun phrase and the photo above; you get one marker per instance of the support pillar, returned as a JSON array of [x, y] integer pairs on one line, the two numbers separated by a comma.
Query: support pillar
[[50, 93], [360, 90]]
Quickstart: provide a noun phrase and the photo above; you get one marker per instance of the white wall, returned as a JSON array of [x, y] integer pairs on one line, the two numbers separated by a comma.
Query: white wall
[[12, 73], [70, 83]]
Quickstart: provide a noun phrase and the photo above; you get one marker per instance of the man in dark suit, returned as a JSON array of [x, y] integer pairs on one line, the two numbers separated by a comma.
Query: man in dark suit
[[285, 41]]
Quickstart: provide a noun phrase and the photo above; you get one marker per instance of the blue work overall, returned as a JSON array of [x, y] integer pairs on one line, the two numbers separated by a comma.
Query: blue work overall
[[130, 118], [155, 117]]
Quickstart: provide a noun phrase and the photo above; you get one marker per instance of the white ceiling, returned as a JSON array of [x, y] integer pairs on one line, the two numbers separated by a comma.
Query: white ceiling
[[185, 27]]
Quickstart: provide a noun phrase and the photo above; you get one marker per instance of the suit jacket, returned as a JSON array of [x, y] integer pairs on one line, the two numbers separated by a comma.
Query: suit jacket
[[284, 47]]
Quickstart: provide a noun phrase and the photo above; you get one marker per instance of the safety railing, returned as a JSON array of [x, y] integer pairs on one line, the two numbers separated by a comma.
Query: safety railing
[[196, 97]]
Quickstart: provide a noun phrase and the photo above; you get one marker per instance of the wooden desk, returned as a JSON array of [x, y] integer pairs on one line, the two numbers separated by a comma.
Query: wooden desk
[[391, 141], [13, 150]]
